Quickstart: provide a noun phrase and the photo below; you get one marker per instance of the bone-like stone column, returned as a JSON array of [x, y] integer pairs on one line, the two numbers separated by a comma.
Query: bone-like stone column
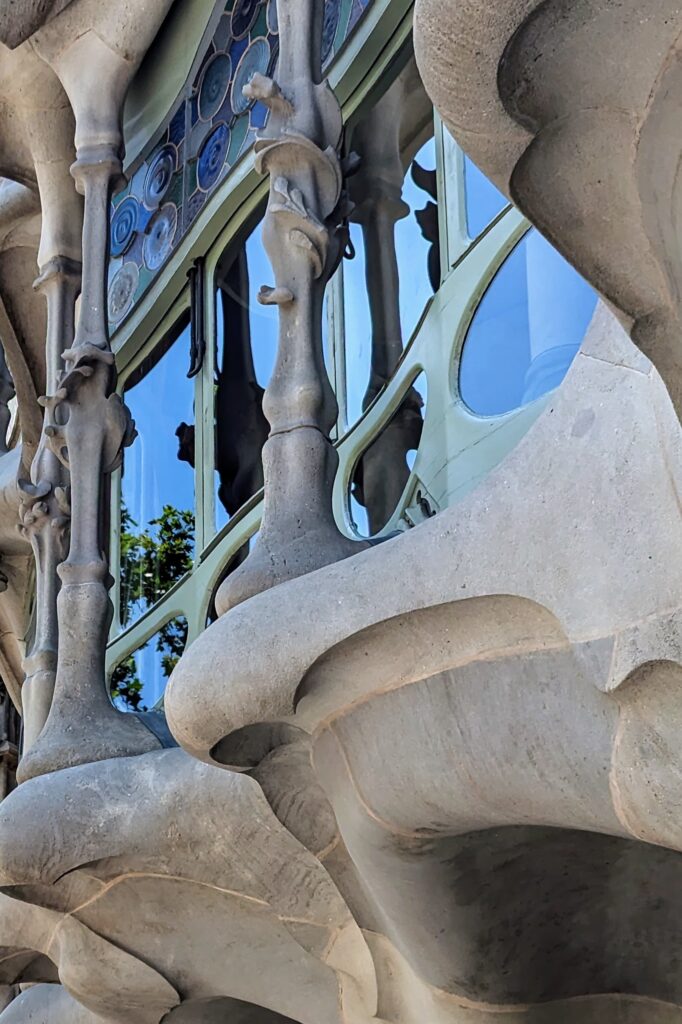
[[46, 123], [304, 235], [44, 511], [89, 424]]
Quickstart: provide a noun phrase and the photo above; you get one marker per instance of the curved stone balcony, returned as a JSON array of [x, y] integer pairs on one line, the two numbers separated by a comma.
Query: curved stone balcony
[[504, 719]]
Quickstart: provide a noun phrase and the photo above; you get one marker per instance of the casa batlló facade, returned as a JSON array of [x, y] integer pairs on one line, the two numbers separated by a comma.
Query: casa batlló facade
[[340, 512]]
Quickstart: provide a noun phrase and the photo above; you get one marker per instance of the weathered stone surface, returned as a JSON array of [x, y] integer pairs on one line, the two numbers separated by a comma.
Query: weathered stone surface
[[495, 713], [224, 878], [19, 19]]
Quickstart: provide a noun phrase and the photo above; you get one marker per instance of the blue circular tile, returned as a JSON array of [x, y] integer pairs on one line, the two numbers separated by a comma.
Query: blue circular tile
[[122, 291], [212, 157], [160, 234], [124, 225], [244, 16], [159, 176], [332, 13], [215, 81], [256, 58]]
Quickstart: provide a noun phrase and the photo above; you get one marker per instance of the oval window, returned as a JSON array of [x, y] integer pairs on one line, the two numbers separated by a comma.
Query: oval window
[[526, 331]]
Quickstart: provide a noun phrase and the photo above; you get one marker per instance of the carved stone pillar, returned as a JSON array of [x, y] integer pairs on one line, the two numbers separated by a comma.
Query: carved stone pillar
[[304, 235], [88, 423], [89, 427], [44, 511]]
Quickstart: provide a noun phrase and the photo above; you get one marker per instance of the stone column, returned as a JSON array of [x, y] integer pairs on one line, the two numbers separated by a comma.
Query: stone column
[[89, 424], [304, 234], [44, 511]]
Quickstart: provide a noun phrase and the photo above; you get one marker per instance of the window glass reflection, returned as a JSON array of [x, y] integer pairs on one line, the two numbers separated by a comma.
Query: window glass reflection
[[157, 484], [526, 330], [138, 682], [383, 471], [483, 200], [246, 348], [394, 234]]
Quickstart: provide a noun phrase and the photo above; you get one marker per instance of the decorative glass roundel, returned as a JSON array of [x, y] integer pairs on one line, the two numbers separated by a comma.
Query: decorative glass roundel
[[212, 157], [124, 225], [159, 176], [256, 58], [244, 15], [160, 234], [122, 291], [215, 81], [526, 331]]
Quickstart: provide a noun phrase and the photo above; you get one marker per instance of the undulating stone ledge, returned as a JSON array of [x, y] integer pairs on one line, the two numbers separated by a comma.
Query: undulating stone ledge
[[600, 466]]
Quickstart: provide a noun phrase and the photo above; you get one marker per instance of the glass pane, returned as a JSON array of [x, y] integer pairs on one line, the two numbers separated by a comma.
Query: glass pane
[[394, 235], [157, 485], [383, 471], [526, 330], [246, 348], [138, 683], [483, 200]]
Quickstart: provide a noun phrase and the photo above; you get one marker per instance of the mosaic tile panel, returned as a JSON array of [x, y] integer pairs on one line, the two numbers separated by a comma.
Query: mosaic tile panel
[[210, 129]]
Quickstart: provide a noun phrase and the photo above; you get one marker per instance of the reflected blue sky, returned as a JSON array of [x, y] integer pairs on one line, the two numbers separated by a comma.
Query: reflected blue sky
[[526, 330], [152, 474], [483, 200]]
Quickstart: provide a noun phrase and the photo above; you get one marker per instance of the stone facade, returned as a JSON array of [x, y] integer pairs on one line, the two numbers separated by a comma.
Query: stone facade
[[425, 776]]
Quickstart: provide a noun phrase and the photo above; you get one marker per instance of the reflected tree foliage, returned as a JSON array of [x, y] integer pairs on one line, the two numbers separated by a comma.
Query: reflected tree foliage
[[151, 562]]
